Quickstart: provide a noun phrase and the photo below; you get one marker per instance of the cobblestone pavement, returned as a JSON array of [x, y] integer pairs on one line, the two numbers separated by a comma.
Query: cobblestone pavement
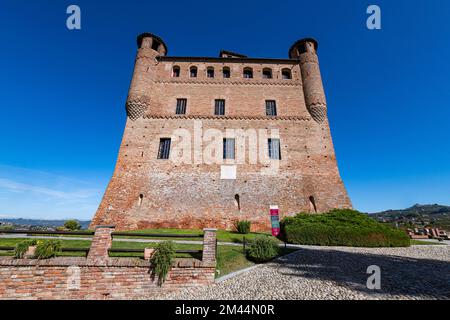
[[417, 272]]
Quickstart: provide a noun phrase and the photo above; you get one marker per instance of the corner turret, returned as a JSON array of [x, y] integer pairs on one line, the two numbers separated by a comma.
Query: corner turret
[[150, 46], [305, 51]]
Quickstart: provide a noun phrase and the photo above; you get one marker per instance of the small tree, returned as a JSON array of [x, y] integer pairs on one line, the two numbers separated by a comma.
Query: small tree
[[162, 260], [72, 225], [243, 226], [48, 249], [22, 247]]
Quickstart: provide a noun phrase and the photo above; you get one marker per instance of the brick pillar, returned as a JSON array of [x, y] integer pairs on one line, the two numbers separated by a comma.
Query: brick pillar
[[209, 247], [101, 242]]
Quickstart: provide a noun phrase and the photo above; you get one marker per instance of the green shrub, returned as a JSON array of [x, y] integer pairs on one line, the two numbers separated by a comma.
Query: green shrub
[[262, 249], [340, 227], [72, 225], [48, 249], [22, 247], [162, 260], [243, 226]]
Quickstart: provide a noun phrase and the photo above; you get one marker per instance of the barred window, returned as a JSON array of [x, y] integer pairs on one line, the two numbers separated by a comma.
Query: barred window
[[271, 108], [181, 106], [219, 109], [164, 148], [274, 149], [228, 148]]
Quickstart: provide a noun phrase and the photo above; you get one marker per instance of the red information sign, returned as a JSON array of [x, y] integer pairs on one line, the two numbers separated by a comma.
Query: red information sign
[[275, 220]]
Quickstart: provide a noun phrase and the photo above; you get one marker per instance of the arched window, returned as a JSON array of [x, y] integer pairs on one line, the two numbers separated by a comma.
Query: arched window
[[210, 72], [193, 72], [237, 201], [267, 73], [248, 73], [176, 71], [312, 204], [286, 74], [155, 44], [226, 72], [141, 197]]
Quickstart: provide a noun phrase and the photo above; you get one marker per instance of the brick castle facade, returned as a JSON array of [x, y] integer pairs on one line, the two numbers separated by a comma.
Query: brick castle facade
[[212, 140]]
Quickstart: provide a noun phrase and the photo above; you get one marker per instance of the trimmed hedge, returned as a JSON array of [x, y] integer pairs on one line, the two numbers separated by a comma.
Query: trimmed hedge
[[340, 227]]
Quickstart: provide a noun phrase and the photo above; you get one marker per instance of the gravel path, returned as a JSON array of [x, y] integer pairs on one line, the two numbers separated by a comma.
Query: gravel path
[[417, 272]]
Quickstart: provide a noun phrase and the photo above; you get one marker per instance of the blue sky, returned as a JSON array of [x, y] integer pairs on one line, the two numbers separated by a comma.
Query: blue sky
[[63, 92]]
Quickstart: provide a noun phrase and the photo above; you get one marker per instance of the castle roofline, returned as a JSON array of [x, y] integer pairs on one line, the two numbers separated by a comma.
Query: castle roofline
[[231, 54], [227, 60]]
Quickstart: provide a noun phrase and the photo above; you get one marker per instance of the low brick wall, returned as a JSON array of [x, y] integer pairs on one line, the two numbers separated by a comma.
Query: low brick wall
[[81, 278], [100, 277]]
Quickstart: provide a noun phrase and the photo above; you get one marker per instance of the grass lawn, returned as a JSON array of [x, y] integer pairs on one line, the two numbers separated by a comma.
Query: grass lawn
[[222, 235]]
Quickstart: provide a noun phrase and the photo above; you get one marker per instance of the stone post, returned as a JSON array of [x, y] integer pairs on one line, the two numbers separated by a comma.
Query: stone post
[[209, 247], [101, 242]]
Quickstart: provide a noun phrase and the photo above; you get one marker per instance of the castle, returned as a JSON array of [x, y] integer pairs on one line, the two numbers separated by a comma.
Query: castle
[[212, 140]]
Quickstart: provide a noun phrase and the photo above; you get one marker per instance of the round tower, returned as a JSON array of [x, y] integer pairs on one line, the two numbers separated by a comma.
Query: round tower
[[305, 50], [151, 41], [150, 46]]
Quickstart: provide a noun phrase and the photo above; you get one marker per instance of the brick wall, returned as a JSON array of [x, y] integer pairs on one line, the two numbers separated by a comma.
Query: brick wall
[[100, 277], [80, 278]]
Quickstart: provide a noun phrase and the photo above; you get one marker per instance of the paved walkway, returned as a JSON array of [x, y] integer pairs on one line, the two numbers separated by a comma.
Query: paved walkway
[[417, 272]]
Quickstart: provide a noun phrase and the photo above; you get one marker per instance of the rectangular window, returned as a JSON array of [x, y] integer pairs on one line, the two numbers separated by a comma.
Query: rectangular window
[[219, 109], [274, 149], [228, 148], [164, 148], [181, 106], [271, 108]]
